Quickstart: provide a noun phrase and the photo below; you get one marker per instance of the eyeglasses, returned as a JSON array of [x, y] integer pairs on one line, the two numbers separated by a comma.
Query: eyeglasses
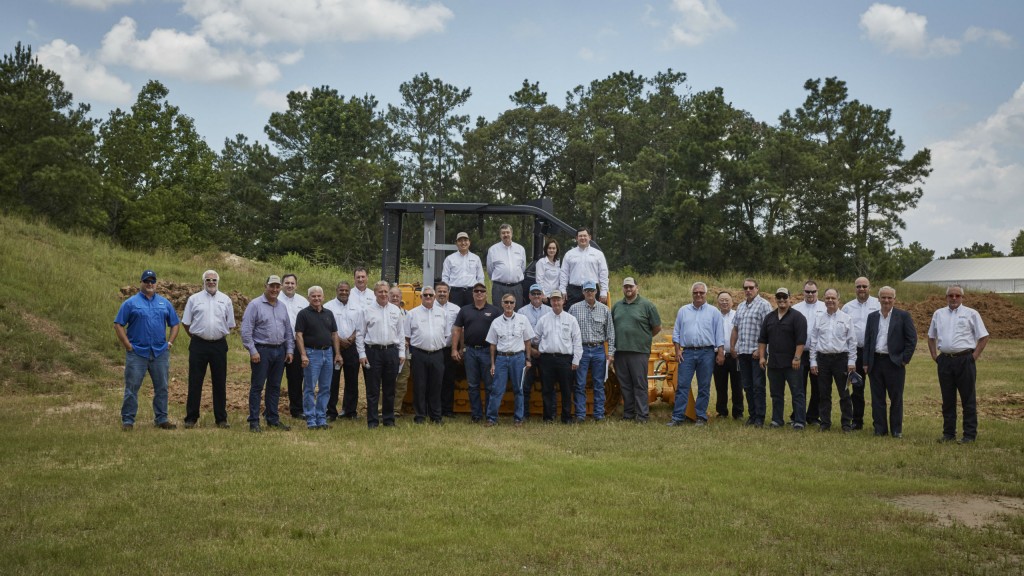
[[777, 297], [810, 291], [699, 293], [509, 303], [427, 295], [750, 287], [861, 286], [149, 281], [479, 291], [954, 295], [536, 293], [214, 280]]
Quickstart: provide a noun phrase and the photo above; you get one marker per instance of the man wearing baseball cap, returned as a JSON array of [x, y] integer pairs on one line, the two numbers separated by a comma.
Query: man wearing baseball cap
[[267, 335], [534, 310], [784, 334], [636, 323], [460, 271], [141, 325]]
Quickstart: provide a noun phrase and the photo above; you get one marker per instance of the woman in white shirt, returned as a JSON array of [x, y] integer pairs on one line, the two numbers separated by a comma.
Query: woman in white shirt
[[548, 268]]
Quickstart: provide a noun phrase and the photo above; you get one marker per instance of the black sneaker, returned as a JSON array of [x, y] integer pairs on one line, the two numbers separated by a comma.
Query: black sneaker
[[166, 426]]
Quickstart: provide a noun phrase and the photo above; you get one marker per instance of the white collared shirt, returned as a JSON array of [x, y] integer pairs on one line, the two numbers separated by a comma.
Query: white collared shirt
[[547, 274], [425, 327], [859, 312], [579, 265], [365, 297], [882, 339], [460, 271], [833, 334], [812, 312], [560, 334], [506, 263], [346, 316], [382, 326], [451, 312], [956, 330], [210, 317], [294, 304], [510, 333]]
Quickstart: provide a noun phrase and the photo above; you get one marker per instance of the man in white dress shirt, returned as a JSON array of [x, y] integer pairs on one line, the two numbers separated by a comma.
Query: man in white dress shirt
[[582, 263], [858, 309], [812, 308], [561, 350], [380, 341], [426, 331], [506, 265], [362, 292], [348, 313], [832, 357], [208, 318], [294, 302], [533, 311], [460, 271], [441, 291], [510, 339]]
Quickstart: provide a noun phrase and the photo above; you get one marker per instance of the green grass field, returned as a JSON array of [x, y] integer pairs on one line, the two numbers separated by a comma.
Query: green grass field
[[80, 496]]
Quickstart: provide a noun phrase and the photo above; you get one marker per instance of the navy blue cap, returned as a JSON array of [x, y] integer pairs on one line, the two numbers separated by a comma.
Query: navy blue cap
[[148, 274]]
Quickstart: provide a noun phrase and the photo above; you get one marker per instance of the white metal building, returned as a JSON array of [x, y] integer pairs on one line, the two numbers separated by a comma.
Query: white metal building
[[1004, 275]]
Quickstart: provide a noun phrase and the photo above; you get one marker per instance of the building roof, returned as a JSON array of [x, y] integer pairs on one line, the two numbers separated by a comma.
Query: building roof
[[961, 270]]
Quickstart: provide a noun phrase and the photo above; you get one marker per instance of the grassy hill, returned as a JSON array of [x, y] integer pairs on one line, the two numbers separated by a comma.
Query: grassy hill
[[81, 496]]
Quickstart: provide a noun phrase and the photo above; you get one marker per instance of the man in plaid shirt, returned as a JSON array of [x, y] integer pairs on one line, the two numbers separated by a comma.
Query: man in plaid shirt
[[596, 328], [745, 330]]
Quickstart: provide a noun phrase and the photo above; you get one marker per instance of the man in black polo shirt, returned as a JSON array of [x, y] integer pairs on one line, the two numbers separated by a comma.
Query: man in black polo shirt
[[469, 342], [783, 334], [316, 339]]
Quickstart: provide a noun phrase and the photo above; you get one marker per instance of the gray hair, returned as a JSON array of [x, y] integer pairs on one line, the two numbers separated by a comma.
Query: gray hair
[[214, 272], [312, 289]]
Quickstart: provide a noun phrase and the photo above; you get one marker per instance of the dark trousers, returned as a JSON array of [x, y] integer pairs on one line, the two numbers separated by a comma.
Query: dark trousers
[[556, 369], [887, 379], [380, 384], [857, 396], [778, 378], [498, 290], [752, 378], [957, 375], [448, 383], [832, 368], [203, 353], [460, 296], [631, 370], [267, 372], [810, 389], [725, 375], [427, 375], [293, 372], [529, 381], [350, 397]]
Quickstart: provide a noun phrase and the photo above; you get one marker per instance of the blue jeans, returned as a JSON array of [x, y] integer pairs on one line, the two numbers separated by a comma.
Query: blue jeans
[[135, 368], [478, 371], [778, 378], [316, 385], [752, 378], [701, 363], [595, 361], [267, 372], [506, 368]]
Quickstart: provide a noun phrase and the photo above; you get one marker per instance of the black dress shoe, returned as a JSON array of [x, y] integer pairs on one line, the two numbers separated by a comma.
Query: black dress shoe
[[965, 440], [279, 426], [897, 435], [166, 426], [371, 425], [332, 418], [944, 439], [255, 428], [127, 427], [189, 425], [224, 425]]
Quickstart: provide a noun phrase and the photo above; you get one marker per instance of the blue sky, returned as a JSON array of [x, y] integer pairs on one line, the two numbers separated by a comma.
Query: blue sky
[[951, 71]]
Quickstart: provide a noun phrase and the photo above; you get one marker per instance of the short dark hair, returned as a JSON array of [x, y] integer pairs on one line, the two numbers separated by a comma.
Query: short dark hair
[[289, 275]]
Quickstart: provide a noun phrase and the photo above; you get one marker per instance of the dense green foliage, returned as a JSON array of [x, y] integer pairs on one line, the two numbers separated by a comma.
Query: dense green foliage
[[666, 179]]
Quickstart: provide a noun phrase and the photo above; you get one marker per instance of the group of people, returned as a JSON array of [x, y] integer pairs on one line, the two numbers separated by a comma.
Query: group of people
[[563, 333], [815, 344]]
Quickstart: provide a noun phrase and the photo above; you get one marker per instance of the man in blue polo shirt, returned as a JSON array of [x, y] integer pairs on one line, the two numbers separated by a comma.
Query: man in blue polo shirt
[[141, 326]]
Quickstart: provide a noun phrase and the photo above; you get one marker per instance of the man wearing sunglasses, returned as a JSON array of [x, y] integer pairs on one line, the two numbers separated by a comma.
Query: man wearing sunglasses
[[746, 327], [956, 338], [469, 343], [784, 335], [141, 327], [208, 318], [858, 309], [813, 309]]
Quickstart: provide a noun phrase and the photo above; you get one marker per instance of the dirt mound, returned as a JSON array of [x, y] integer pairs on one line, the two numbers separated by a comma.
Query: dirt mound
[[178, 294], [1002, 318]]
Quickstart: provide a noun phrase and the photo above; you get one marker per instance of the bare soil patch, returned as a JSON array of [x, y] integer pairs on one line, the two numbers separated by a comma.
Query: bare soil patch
[[968, 510]]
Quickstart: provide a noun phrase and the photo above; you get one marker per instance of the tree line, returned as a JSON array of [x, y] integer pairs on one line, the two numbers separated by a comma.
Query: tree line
[[667, 179]]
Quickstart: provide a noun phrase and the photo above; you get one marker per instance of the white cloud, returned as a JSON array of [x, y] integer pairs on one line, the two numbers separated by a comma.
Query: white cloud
[[96, 4], [973, 195], [586, 54], [86, 79], [896, 30], [259, 22], [188, 56], [700, 19], [278, 101]]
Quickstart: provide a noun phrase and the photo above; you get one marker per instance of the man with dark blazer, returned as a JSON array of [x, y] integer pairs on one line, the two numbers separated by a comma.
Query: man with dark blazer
[[889, 342]]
